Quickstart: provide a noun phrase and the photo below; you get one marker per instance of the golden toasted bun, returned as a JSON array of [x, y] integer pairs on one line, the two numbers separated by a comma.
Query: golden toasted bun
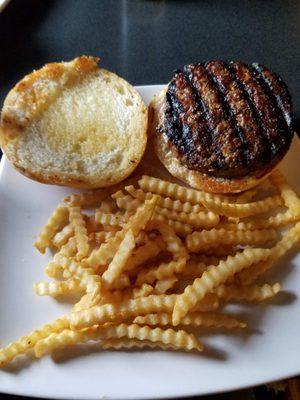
[[74, 124], [166, 152]]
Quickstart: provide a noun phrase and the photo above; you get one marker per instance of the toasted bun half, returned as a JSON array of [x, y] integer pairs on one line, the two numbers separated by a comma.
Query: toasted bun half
[[74, 124], [167, 154]]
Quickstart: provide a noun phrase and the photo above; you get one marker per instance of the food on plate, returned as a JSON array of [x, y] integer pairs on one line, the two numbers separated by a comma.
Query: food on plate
[[150, 259], [74, 124], [222, 127]]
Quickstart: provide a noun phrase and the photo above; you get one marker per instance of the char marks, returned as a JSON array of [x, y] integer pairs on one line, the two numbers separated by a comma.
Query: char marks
[[228, 119]]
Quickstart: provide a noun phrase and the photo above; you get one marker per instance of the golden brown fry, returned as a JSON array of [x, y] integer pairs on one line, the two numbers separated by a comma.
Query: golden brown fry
[[166, 202], [25, 343], [54, 224], [163, 271], [62, 237], [144, 253], [202, 219], [164, 285], [173, 242], [198, 241], [87, 301], [291, 200], [178, 227], [98, 315], [247, 293], [142, 291], [78, 224], [137, 223], [58, 288], [290, 238], [54, 268], [213, 277], [126, 202], [120, 259], [125, 343], [107, 206], [217, 203], [115, 219], [178, 192], [274, 221], [180, 339], [205, 319]]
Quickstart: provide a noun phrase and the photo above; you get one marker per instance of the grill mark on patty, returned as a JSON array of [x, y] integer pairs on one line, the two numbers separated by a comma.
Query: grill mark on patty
[[225, 140], [195, 136], [241, 107], [261, 104], [226, 107], [278, 90], [223, 118], [278, 117]]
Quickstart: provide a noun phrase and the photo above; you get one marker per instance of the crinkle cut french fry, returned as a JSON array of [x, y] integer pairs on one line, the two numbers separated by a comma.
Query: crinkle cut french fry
[[205, 319], [120, 258], [200, 240], [62, 237], [109, 218], [250, 275], [291, 200], [55, 268], [107, 206], [166, 202], [136, 224], [247, 293], [68, 337], [274, 221], [106, 250], [87, 301], [179, 228], [163, 271], [121, 282], [193, 269], [78, 224], [290, 238], [142, 291], [58, 288], [217, 203], [125, 343], [87, 277], [213, 277], [173, 242], [202, 219], [126, 202], [144, 253], [21, 346], [54, 224], [164, 285], [177, 192], [98, 315]]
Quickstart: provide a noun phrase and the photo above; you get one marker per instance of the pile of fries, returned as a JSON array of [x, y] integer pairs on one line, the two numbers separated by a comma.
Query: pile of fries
[[149, 259]]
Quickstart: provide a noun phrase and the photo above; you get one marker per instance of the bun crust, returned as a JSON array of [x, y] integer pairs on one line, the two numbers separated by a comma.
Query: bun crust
[[74, 124], [167, 154]]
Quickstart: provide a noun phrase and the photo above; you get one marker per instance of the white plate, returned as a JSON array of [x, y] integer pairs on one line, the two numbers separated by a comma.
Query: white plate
[[232, 361]]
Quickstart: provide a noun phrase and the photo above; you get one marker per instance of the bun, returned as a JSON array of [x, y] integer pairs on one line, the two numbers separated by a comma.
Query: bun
[[222, 127], [74, 124]]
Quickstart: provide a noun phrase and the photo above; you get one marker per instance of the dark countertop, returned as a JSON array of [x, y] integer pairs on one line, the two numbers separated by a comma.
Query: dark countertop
[[144, 41]]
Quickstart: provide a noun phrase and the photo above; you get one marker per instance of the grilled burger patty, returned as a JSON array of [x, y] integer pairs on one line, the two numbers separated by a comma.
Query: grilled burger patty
[[227, 119]]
